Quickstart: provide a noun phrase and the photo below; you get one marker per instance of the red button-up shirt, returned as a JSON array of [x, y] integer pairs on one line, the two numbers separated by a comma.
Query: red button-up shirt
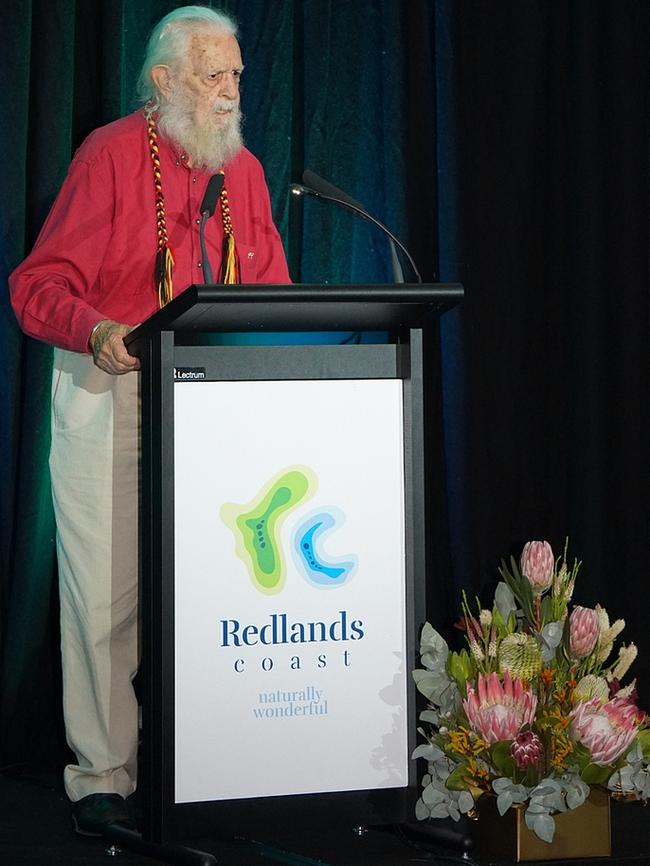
[[94, 258]]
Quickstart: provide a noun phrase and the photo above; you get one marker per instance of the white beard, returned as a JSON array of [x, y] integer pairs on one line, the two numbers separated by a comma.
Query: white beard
[[209, 147]]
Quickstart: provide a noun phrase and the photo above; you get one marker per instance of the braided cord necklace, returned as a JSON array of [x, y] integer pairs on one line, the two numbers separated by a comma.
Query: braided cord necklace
[[164, 267]]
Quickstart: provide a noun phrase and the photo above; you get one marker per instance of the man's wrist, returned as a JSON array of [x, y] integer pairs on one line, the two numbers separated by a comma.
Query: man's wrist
[[91, 336]]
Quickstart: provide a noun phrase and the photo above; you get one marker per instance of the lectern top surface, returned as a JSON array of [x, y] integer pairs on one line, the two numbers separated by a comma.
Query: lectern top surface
[[301, 307]]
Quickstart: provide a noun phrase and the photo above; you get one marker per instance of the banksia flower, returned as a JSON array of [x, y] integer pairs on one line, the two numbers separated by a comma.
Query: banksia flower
[[537, 564], [626, 656], [608, 634], [527, 750], [584, 631], [628, 693], [520, 655], [591, 687], [496, 711], [607, 730]]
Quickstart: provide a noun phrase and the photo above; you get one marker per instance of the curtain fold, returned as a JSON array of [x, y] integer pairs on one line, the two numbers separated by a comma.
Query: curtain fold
[[507, 144]]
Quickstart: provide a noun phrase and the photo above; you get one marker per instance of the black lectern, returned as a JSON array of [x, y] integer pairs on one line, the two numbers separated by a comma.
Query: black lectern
[[176, 352]]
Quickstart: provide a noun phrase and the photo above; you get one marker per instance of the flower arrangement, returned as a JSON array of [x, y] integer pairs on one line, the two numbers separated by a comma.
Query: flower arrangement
[[533, 710]]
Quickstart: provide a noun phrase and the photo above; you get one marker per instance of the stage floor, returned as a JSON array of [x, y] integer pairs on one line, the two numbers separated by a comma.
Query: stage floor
[[35, 830]]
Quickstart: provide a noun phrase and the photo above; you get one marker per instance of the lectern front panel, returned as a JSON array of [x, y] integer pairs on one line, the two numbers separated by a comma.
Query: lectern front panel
[[290, 620]]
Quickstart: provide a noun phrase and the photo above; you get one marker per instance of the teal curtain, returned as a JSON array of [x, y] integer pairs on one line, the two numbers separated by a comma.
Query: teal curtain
[[506, 143]]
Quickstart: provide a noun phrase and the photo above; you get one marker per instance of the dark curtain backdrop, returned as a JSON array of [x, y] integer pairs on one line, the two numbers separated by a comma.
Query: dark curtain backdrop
[[506, 141]]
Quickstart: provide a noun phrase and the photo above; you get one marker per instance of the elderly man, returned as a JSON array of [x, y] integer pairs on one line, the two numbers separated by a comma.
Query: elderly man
[[121, 239]]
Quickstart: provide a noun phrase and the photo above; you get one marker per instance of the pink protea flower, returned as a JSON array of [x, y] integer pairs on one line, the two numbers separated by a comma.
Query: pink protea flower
[[498, 712], [584, 631], [607, 730], [527, 750], [537, 563]]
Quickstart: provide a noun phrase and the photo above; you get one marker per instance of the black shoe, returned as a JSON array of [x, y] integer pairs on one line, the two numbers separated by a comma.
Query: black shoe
[[93, 814]]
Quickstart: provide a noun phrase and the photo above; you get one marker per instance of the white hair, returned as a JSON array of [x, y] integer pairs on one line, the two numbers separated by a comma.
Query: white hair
[[168, 41]]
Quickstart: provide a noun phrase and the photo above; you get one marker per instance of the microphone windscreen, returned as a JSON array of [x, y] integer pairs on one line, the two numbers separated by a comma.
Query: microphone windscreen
[[323, 186], [212, 193]]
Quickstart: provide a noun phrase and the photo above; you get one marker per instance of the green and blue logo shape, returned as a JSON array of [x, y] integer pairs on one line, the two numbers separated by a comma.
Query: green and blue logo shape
[[256, 526]]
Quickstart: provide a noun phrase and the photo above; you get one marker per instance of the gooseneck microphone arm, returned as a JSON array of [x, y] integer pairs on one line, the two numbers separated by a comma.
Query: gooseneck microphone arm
[[212, 193], [340, 198]]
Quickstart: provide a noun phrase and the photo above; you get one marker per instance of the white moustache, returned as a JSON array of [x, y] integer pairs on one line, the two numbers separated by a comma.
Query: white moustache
[[224, 105]]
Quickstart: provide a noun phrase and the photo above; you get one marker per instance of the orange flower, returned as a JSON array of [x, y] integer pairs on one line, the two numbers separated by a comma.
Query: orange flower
[[547, 676], [463, 743], [480, 775], [561, 748]]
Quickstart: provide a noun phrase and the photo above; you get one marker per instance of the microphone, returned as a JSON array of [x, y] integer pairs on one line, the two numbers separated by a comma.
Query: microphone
[[320, 188], [212, 193]]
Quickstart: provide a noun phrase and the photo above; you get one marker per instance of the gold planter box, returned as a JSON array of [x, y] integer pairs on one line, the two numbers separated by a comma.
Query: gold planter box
[[582, 832]]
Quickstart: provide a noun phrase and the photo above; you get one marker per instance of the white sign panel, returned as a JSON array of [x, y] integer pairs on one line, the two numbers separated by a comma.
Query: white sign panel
[[289, 588]]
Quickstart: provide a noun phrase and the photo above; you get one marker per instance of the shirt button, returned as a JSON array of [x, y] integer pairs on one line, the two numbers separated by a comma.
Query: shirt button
[[198, 222], [193, 180], [200, 264]]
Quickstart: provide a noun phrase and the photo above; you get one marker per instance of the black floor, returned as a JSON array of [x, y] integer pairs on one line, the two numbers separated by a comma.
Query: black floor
[[35, 830]]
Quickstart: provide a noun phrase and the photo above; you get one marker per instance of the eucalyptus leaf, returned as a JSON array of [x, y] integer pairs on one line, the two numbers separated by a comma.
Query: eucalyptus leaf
[[622, 779], [428, 751], [635, 754], [422, 812], [504, 600], [433, 647], [550, 638], [575, 797], [425, 682], [465, 802], [430, 716], [432, 796], [544, 827], [545, 787], [504, 802], [427, 637], [501, 784]]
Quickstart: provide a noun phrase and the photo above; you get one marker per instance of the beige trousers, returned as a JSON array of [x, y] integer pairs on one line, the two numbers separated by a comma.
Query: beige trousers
[[94, 468]]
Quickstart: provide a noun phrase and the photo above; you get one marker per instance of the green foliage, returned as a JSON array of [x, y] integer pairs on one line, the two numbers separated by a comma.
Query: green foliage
[[461, 667], [643, 738], [520, 588], [593, 774], [581, 757], [456, 780], [501, 759]]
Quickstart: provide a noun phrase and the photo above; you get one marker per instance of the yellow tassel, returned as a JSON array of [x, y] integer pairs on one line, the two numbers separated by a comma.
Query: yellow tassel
[[230, 269], [164, 275]]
